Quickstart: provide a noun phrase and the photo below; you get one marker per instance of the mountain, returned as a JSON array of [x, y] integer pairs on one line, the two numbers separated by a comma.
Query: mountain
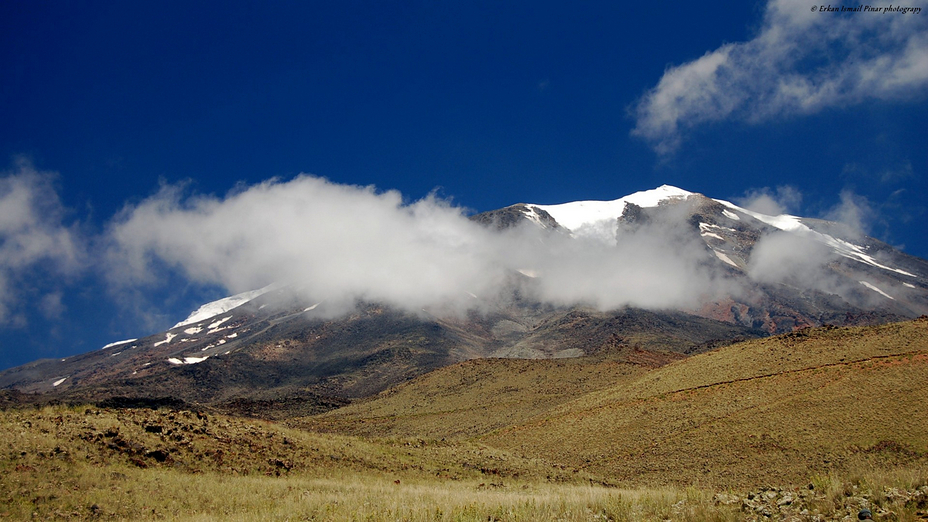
[[786, 272], [274, 352]]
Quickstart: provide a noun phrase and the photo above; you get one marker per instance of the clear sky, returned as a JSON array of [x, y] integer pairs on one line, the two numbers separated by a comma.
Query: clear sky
[[486, 104]]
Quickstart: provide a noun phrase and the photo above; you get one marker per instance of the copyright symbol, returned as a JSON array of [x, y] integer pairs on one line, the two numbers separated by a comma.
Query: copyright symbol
[[814, 8]]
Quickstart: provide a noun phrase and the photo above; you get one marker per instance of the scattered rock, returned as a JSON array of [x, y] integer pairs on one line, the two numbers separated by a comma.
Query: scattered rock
[[726, 499]]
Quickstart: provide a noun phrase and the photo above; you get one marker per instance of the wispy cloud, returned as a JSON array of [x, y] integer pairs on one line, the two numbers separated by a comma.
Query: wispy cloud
[[773, 202], [801, 61], [854, 211], [33, 236]]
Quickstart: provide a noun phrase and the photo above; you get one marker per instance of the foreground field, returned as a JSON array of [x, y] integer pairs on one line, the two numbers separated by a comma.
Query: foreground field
[[87, 463]]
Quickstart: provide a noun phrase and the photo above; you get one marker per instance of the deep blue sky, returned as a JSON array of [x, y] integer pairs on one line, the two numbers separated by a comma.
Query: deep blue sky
[[490, 103]]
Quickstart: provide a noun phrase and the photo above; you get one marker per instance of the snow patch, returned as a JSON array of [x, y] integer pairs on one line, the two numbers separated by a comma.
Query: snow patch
[[877, 290], [705, 231], [705, 227], [117, 343], [313, 307], [215, 325], [167, 339], [232, 335], [725, 258], [224, 305], [194, 330], [905, 284], [731, 215], [187, 360], [533, 215], [59, 381]]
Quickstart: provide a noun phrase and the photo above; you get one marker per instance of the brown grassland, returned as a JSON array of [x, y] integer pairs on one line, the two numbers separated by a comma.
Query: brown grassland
[[811, 425]]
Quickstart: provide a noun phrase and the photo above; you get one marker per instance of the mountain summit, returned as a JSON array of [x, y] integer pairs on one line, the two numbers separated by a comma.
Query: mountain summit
[[644, 280], [776, 273]]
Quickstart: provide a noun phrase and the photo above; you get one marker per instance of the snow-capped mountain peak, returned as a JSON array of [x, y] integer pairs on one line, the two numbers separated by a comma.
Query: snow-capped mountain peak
[[578, 214]]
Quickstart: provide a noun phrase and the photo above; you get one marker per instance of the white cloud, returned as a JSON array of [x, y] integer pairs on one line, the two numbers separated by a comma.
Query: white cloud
[[791, 259], [32, 236], [338, 244], [803, 264], [341, 243], [854, 211], [51, 306], [800, 62], [772, 202]]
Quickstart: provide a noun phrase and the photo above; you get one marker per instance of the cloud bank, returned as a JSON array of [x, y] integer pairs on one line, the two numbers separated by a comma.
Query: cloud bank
[[802, 61], [343, 243]]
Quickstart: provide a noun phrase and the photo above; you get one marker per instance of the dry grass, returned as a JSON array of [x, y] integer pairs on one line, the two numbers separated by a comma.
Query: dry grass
[[473, 398], [117, 492], [702, 439], [795, 405], [90, 463], [132, 494]]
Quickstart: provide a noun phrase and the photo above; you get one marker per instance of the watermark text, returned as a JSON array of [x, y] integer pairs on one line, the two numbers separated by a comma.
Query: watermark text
[[866, 9]]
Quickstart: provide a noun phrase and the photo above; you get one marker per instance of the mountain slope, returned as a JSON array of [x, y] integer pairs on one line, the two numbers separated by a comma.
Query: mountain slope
[[258, 352], [772, 410], [757, 275]]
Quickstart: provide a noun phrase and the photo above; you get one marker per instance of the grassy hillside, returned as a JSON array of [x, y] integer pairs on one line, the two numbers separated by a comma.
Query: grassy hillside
[[474, 397], [766, 411]]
